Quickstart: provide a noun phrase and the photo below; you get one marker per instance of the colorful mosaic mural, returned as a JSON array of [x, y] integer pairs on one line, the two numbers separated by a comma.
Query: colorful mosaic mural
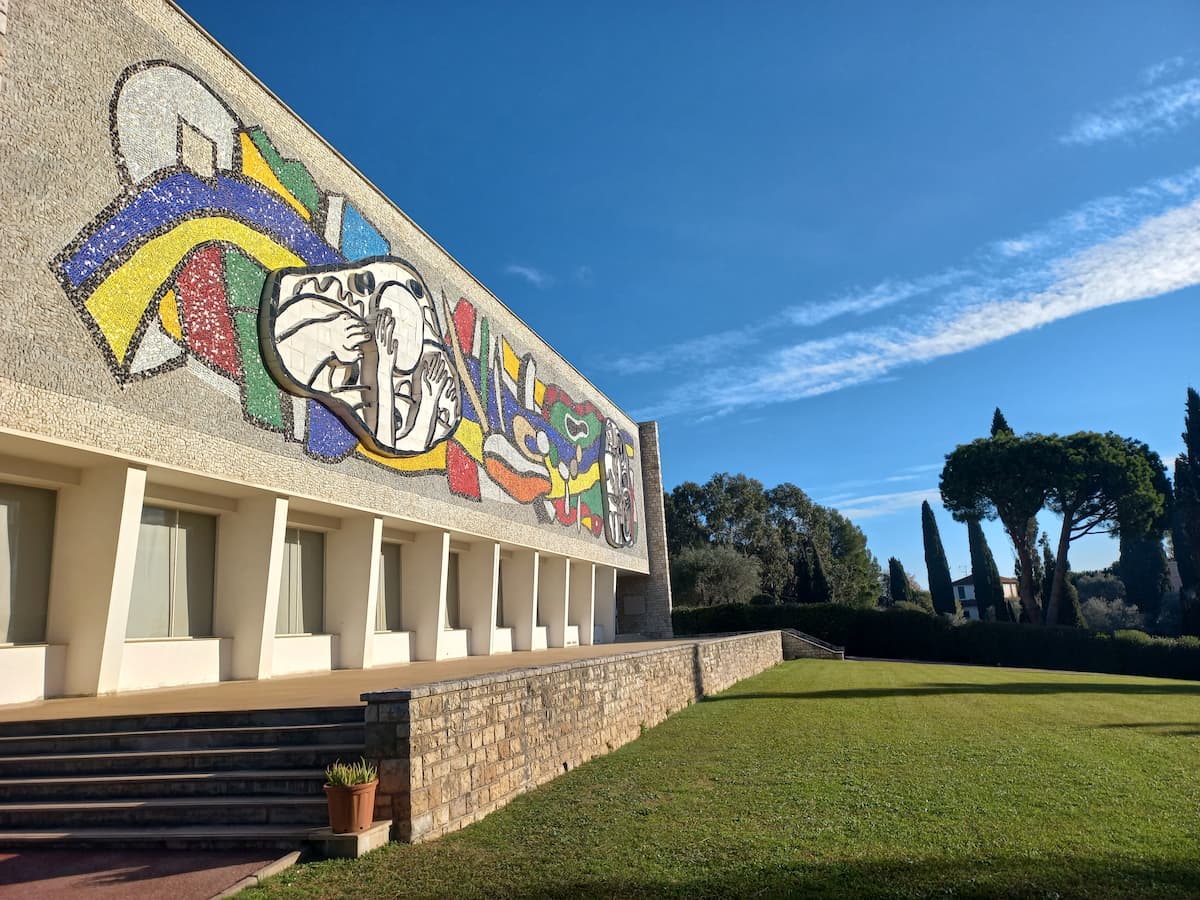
[[225, 259]]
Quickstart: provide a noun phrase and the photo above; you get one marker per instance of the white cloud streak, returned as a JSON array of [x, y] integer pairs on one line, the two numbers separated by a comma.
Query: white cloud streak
[[881, 296], [534, 276], [1133, 255], [858, 508], [1160, 70], [1158, 109]]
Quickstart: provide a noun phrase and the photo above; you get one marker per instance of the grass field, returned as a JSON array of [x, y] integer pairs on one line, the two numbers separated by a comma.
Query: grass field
[[847, 779]]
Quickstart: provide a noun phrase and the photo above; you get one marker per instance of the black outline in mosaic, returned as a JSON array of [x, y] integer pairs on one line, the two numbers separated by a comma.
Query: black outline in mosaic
[[119, 84], [318, 220], [274, 365]]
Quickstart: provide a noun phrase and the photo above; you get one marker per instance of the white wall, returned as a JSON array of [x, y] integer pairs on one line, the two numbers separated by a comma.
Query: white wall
[[351, 586], [249, 558], [423, 591], [31, 672], [478, 576], [520, 572], [174, 662], [91, 574], [581, 607], [552, 598], [606, 604]]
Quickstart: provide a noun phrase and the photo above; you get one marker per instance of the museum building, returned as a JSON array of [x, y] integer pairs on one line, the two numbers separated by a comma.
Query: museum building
[[253, 420]]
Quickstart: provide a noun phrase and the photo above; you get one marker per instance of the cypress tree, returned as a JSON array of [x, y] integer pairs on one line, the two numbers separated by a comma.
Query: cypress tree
[[898, 585], [1000, 424], [1186, 525], [804, 577], [989, 590], [822, 592], [1143, 569], [940, 587]]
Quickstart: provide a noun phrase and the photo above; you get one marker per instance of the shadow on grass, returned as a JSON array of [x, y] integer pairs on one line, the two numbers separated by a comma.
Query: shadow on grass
[[1171, 729], [1015, 688], [1045, 876]]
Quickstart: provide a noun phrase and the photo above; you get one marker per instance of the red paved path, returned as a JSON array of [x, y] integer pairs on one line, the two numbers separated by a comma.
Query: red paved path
[[176, 874]]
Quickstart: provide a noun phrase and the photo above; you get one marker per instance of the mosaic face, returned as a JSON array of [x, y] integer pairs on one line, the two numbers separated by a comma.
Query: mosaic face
[[365, 341]]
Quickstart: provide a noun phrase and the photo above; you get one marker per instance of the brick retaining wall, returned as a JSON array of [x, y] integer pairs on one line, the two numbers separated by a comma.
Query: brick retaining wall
[[451, 752]]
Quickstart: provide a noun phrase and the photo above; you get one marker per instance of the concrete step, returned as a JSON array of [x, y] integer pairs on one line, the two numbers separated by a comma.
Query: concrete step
[[300, 756], [293, 782], [186, 837], [264, 718], [169, 812], [184, 739]]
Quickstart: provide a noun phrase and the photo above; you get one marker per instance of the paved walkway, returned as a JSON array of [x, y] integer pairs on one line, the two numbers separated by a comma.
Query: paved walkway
[[338, 688], [126, 874]]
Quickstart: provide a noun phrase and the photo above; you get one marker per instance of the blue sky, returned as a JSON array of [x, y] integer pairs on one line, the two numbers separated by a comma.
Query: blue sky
[[818, 242]]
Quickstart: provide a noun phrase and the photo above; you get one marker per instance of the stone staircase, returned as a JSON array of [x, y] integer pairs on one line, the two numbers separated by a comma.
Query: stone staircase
[[198, 780]]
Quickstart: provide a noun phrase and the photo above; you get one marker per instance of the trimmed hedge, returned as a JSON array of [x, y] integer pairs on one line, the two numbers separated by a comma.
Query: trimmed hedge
[[903, 634]]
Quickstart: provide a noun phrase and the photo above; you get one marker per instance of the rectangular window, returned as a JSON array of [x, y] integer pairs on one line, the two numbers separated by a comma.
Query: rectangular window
[[387, 605], [453, 621], [302, 584], [173, 575], [26, 537], [962, 593]]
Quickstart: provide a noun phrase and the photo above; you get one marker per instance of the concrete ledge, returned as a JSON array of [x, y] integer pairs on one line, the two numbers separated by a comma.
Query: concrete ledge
[[253, 880], [351, 846]]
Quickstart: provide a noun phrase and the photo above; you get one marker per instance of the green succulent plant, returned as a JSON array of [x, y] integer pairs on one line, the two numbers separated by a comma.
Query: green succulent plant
[[340, 774]]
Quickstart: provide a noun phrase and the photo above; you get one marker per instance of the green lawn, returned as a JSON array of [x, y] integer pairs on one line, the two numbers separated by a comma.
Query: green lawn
[[849, 779]]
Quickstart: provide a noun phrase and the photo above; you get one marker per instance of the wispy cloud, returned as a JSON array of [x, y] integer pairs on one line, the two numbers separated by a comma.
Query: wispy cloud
[[858, 508], [536, 277], [1114, 250], [696, 352], [882, 295], [1160, 70], [1158, 109]]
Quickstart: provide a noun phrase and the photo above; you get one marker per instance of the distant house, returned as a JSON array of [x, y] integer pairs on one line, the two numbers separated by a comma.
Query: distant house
[[964, 592]]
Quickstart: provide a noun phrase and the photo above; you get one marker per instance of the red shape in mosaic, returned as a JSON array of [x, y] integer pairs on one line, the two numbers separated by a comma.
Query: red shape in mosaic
[[464, 323], [205, 312], [461, 471]]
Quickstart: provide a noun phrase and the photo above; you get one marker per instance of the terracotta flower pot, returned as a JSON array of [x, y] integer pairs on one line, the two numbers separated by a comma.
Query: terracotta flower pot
[[351, 807]]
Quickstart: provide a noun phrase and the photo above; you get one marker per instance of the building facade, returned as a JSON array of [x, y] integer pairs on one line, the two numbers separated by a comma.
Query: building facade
[[964, 593], [253, 420]]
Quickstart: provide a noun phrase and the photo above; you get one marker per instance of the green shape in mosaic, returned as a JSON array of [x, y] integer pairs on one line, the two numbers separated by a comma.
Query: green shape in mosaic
[[291, 173], [244, 280], [558, 414]]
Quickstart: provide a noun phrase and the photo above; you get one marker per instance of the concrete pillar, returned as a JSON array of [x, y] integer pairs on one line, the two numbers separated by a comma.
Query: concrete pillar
[[423, 591], [520, 596], [552, 599], [581, 606], [249, 560], [91, 574], [606, 602], [478, 575], [351, 588]]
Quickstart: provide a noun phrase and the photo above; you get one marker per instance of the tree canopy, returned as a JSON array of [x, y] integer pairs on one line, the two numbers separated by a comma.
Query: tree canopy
[[805, 551], [1096, 482], [1004, 477]]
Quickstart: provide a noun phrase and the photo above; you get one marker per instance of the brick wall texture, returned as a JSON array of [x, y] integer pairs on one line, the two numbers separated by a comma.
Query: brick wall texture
[[450, 753]]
